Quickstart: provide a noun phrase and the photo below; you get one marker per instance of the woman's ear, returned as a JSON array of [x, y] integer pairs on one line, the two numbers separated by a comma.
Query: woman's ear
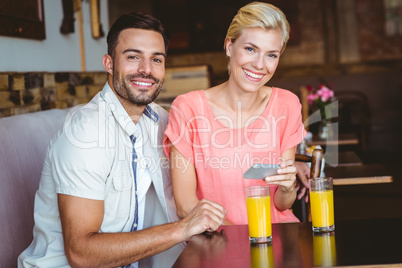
[[228, 46], [107, 62]]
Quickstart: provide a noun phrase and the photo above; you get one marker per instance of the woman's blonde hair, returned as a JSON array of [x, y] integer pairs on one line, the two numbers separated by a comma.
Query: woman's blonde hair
[[258, 14]]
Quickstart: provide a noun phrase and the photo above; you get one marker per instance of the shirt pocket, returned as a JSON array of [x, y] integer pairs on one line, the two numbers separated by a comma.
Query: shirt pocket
[[118, 199]]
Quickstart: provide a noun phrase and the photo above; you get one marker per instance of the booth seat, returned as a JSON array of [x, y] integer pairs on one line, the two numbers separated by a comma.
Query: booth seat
[[23, 142]]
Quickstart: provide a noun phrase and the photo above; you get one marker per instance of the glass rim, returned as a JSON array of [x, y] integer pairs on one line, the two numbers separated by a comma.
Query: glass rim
[[321, 179], [257, 186]]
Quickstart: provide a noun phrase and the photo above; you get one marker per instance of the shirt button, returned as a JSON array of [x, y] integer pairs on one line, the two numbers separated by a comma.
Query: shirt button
[[136, 160], [135, 225]]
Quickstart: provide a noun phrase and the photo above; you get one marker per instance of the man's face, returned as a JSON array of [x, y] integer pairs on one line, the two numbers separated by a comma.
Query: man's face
[[139, 66]]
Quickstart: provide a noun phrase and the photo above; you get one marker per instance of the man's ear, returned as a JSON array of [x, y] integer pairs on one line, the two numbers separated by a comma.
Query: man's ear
[[108, 63]]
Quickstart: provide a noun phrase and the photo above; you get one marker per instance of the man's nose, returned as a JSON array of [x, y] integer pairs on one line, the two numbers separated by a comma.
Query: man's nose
[[145, 67]]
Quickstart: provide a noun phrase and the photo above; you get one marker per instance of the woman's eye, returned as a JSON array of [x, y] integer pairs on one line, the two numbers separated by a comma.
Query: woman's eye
[[273, 56], [250, 49]]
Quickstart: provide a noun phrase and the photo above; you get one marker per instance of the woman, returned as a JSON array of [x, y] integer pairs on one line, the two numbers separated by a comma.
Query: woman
[[215, 135]]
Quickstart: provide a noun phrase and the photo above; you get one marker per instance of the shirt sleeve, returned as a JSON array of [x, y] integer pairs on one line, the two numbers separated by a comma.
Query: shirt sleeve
[[294, 131], [80, 166], [178, 133]]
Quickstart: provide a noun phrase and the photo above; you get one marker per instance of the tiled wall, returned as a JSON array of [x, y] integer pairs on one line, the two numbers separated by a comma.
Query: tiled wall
[[30, 92]]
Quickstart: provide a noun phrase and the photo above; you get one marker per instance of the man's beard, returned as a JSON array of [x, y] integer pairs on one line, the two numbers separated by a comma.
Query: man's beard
[[122, 88]]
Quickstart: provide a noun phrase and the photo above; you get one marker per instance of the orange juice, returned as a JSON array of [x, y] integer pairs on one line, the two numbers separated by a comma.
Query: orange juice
[[322, 208], [324, 250], [259, 216]]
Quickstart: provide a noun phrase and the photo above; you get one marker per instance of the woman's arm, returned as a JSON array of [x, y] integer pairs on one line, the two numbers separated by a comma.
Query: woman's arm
[[184, 182], [286, 193]]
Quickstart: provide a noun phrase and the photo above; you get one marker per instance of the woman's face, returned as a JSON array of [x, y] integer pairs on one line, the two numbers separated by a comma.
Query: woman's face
[[254, 57]]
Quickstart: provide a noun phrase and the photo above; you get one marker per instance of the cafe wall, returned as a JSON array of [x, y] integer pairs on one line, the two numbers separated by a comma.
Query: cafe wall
[[58, 52], [330, 33], [43, 74]]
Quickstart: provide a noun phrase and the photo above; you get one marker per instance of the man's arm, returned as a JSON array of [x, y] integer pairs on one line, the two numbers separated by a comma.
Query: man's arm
[[81, 219], [303, 174]]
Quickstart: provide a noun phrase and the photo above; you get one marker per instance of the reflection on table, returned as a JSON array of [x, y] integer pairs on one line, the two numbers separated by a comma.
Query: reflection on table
[[324, 249], [373, 242]]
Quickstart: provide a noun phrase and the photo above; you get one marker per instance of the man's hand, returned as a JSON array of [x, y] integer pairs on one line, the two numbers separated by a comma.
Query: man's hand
[[303, 175], [205, 216]]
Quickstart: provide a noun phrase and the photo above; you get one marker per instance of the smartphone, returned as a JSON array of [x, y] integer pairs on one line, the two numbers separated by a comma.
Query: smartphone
[[260, 171]]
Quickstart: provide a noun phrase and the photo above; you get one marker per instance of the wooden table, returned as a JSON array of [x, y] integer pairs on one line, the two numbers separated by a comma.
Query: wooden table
[[363, 243], [363, 174], [343, 139]]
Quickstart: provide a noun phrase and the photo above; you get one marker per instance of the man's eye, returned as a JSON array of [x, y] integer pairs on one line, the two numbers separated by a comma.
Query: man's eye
[[157, 60], [132, 57]]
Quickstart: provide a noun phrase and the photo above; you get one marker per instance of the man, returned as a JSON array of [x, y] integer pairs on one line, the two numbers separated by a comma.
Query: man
[[105, 197]]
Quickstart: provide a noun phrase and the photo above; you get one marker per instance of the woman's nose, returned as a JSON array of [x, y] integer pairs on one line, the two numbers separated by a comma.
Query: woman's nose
[[258, 62]]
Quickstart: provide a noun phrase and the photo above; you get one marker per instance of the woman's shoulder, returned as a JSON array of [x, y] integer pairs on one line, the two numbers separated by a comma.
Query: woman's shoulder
[[285, 93], [189, 102], [286, 96], [189, 97]]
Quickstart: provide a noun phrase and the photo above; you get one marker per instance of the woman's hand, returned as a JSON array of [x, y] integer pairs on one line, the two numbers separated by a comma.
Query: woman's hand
[[286, 176], [286, 180]]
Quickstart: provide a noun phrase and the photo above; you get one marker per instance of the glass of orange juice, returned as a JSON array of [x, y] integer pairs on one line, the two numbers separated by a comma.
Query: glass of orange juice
[[322, 204], [259, 214]]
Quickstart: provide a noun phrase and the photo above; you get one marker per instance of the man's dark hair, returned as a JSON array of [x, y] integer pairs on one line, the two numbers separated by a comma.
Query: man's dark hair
[[137, 21]]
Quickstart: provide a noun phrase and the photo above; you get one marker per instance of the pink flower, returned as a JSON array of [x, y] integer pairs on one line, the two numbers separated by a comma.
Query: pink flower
[[311, 97], [323, 94]]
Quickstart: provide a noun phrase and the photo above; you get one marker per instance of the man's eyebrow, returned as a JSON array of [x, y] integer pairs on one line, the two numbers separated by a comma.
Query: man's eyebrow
[[133, 50], [142, 52], [159, 54]]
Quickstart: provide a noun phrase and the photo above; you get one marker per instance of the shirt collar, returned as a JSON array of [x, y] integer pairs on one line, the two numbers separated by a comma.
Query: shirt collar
[[151, 113], [120, 113]]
